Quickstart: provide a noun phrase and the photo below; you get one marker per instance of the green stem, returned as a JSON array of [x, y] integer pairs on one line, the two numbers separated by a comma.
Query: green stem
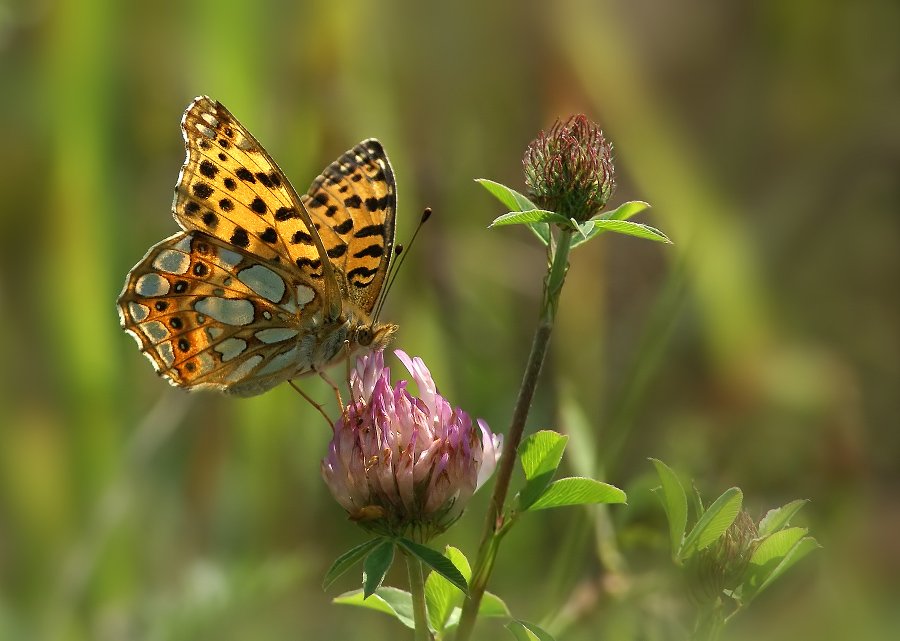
[[490, 539], [710, 622], [417, 590]]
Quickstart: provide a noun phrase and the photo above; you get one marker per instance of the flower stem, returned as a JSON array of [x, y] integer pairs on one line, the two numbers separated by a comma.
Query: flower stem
[[493, 525], [417, 590], [710, 622]]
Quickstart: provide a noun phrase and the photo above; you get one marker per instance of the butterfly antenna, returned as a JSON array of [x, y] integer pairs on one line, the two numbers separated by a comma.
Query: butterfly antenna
[[395, 268]]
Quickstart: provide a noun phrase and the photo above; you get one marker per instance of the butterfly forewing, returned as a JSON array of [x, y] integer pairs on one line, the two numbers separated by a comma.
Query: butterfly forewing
[[258, 287]]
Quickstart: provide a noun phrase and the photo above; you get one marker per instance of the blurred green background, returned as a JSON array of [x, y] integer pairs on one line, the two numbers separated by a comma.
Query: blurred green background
[[760, 350]]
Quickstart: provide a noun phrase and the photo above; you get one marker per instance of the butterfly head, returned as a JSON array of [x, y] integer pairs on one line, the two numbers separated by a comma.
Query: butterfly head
[[374, 336]]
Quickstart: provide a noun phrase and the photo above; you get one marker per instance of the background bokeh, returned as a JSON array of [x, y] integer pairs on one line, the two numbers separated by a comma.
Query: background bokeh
[[762, 349]]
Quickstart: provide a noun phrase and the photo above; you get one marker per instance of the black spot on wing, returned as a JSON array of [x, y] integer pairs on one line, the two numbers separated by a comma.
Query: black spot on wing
[[239, 237], [301, 237], [202, 190], [358, 274], [344, 227], [258, 205], [370, 230], [372, 251], [284, 213], [208, 169], [374, 204], [337, 251]]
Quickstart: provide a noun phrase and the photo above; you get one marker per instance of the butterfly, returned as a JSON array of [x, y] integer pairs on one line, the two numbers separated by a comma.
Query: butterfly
[[262, 285]]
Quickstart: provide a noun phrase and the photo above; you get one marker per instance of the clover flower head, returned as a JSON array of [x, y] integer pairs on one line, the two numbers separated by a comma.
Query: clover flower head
[[401, 464]]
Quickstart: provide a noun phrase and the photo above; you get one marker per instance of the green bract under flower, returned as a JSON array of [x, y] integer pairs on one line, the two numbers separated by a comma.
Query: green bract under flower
[[405, 465], [569, 170]]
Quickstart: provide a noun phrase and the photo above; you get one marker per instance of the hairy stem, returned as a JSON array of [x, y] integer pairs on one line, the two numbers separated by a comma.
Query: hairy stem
[[417, 590], [487, 552]]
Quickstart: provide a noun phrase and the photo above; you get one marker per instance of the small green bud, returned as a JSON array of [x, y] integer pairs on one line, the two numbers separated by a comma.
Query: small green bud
[[722, 565]]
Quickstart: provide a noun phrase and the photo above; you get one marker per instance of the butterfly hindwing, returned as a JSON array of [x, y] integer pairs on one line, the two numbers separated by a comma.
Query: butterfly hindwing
[[209, 315]]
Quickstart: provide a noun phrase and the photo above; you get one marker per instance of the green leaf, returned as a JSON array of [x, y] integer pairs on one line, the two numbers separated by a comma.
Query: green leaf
[[771, 563], [777, 545], [390, 601], [776, 519], [674, 503], [623, 227], [542, 231], [491, 606], [624, 211], [539, 454], [584, 228], [376, 566], [441, 596], [531, 216], [515, 201], [718, 517], [524, 631], [577, 490], [347, 560], [437, 562], [698, 500]]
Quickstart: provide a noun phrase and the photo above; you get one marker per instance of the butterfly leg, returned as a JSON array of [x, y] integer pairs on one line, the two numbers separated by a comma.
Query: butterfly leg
[[337, 391], [320, 409]]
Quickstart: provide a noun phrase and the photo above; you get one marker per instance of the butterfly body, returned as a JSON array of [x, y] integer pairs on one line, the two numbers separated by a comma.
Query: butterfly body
[[263, 285]]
